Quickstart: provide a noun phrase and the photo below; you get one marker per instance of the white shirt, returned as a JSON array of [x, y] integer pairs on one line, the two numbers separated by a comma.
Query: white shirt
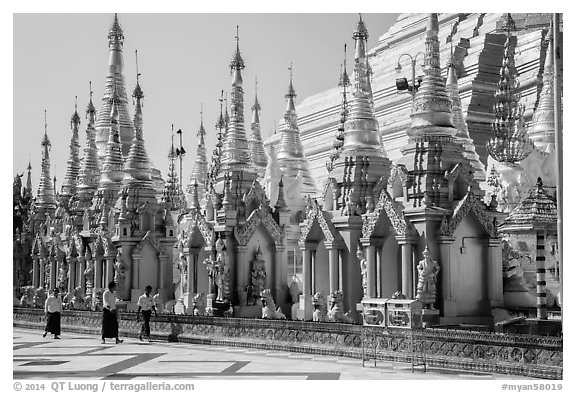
[[146, 302], [53, 304], [109, 300]]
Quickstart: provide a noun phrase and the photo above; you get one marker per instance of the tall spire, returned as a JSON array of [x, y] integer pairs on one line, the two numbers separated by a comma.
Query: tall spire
[[89, 173], [173, 194], [361, 129], [431, 107], [256, 147], [112, 171], [45, 196], [235, 154], [200, 170], [29, 177], [338, 143], [137, 165], [542, 130], [509, 143], [462, 136], [291, 153], [114, 82], [71, 178], [361, 161], [214, 169], [432, 149]]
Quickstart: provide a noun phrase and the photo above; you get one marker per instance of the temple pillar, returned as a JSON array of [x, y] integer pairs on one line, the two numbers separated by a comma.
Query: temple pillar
[[313, 272], [97, 274], [406, 245], [242, 275], [333, 266], [109, 270], [53, 272], [495, 282], [191, 258], [71, 275], [81, 275], [541, 310], [136, 270], [162, 284], [35, 271], [371, 271], [280, 276], [305, 307], [42, 275], [448, 303]]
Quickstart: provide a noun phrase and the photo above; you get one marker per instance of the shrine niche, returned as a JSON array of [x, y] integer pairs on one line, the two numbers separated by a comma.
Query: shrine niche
[[149, 265]]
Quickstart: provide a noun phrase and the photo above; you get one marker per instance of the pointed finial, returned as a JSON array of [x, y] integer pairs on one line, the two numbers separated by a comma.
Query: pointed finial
[[237, 61], [137, 73], [539, 184], [201, 112], [75, 120], [90, 110], [361, 32], [291, 92], [45, 123]]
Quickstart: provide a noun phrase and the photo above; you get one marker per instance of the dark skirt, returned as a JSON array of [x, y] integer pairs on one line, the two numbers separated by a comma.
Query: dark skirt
[[109, 324], [53, 323], [145, 330]]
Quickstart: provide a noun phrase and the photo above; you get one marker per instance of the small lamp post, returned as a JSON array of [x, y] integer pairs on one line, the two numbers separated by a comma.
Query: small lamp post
[[402, 83]]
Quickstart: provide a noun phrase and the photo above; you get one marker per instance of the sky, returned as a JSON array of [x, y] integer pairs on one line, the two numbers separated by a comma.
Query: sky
[[184, 62]]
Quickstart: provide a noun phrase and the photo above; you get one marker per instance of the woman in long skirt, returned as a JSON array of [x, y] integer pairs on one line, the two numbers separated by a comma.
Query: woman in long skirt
[[52, 309], [109, 316]]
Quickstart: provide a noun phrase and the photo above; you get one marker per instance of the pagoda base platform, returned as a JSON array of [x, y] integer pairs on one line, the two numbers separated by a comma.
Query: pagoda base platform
[[514, 354]]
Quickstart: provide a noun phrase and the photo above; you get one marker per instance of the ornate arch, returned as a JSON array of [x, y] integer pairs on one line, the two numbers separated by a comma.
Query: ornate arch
[[387, 205], [255, 193], [150, 239], [199, 223], [260, 216], [469, 203], [315, 214]]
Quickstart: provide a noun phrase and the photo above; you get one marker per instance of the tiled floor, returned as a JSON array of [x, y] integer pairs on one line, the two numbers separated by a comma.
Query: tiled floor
[[83, 357]]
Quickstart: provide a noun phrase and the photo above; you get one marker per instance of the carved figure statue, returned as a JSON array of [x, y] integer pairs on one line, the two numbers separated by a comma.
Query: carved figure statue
[[336, 305], [97, 300], [320, 308], [27, 299], [119, 276], [159, 303], [427, 271], [269, 310], [199, 304], [370, 204], [40, 297], [77, 302], [363, 269], [258, 274], [63, 275]]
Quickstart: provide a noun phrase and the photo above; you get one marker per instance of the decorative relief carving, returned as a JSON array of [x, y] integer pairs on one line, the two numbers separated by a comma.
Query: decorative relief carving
[[386, 204], [316, 214], [260, 216], [469, 202]]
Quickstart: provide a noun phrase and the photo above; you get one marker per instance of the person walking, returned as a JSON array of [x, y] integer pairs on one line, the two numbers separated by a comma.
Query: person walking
[[146, 305], [109, 316], [52, 309]]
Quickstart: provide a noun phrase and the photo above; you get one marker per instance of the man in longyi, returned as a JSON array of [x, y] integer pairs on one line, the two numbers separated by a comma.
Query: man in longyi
[[53, 310], [109, 316], [146, 304]]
